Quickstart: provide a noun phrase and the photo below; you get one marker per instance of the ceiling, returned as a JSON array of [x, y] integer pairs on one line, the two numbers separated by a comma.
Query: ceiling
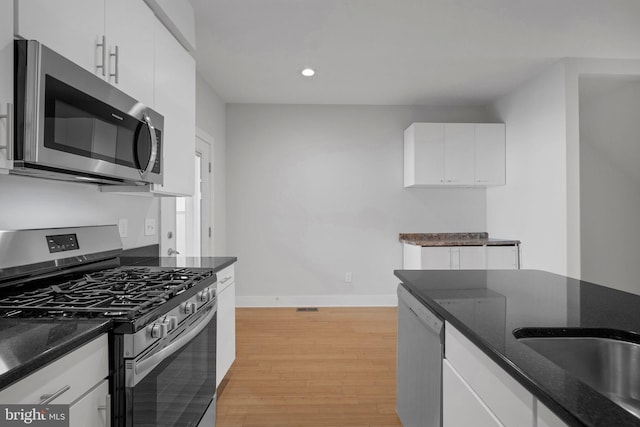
[[400, 52]]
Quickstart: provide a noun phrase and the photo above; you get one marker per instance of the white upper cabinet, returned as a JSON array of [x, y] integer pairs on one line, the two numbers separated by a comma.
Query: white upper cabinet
[[424, 153], [124, 43], [490, 154], [130, 48], [175, 99], [111, 38], [454, 154], [72, 28], [6, 84], [459, 154]]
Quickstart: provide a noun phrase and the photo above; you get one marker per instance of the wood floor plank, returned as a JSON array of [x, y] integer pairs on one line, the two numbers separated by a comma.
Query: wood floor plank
[[330, 368]]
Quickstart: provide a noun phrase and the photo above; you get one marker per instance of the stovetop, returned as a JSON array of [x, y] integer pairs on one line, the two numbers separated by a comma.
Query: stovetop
[[126, 294]]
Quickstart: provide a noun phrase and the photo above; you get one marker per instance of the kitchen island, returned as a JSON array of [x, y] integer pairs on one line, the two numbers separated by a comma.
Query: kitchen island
[[482, 308]]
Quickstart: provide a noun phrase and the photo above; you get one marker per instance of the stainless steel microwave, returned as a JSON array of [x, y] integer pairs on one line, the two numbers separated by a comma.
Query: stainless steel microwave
[[72, 125]]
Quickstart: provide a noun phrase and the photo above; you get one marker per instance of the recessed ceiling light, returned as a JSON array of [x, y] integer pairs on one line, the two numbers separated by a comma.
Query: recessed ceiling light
[[308, 72]]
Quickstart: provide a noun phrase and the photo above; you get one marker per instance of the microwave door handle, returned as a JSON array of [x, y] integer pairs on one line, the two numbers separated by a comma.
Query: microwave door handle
[[154, 148], [144, 367]]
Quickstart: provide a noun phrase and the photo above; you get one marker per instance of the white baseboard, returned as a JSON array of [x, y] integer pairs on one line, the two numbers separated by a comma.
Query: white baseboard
[[318, 301]]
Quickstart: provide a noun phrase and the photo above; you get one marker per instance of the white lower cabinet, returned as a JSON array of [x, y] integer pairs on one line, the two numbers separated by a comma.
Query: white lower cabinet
[[460, 257], [503, 257], [546, 418], [429, 258], [92, 408], [461, 406], [78, 379], [495, 397], [226, 326], [469, 258]]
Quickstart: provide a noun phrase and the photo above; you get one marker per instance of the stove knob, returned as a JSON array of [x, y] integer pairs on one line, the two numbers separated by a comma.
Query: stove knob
[[171, 322], [189, 307], [158, 330], [204, 296]]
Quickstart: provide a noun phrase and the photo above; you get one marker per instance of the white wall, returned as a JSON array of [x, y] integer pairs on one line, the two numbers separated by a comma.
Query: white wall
[[39, 203], [211, 118], [314, 192], [532, 206], [610, 182]]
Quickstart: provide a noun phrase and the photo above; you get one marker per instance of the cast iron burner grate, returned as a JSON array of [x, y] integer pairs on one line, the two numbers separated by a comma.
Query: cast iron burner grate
[[122, 292]]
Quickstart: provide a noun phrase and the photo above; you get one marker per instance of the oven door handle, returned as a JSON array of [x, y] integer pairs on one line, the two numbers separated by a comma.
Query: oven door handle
[[144, 367]]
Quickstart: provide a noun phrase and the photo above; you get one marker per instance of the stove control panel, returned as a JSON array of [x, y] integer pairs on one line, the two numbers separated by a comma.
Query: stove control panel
[[62, 243], [174, 321]]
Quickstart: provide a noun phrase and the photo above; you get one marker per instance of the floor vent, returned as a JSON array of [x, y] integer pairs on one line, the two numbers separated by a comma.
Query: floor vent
[[307, 309]]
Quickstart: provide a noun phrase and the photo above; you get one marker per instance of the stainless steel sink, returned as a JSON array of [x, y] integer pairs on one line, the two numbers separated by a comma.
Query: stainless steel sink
[[610, 366]]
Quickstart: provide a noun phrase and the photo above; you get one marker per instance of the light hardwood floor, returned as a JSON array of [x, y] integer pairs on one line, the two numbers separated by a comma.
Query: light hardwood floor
[[335, 367]]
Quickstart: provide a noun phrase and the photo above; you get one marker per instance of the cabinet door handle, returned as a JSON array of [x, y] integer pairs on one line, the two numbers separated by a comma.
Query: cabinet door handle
[[225, 280], [48, 398], [102, 46], [9, 143], [114, 55], [107, 408]]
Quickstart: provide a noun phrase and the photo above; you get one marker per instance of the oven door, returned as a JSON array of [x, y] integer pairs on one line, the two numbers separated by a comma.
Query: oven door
[[174, 383]]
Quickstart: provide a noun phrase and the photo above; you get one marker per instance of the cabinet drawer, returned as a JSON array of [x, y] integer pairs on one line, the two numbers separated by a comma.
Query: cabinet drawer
[[226, 277], [80, 370], [505, 397], [546, 418], [91, 409], [226, 331], [461, 406]]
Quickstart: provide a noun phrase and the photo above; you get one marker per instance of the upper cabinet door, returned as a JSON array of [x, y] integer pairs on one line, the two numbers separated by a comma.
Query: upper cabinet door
[[454, 155], [175, 99], [424, 154], [129, 30], [459, 153], [73, 28], [490, 154], [6, 82]]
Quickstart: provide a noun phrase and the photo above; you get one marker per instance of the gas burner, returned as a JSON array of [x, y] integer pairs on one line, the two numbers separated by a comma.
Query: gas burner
[[128, 292]]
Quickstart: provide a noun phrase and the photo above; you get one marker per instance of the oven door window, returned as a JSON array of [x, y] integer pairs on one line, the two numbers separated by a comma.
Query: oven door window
[[178, 391], [79, 124]]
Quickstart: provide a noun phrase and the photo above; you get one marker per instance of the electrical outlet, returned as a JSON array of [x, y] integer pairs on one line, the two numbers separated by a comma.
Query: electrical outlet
[[347, 277], [123, 227], [149, 227]]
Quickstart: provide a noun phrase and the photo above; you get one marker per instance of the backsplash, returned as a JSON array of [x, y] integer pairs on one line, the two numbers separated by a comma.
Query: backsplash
[[39, 203]]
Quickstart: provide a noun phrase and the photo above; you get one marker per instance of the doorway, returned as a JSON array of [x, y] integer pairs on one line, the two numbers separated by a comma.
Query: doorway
[[193, 214]]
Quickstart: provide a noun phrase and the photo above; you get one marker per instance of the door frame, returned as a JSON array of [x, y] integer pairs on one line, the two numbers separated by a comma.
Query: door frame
[[205, 142]]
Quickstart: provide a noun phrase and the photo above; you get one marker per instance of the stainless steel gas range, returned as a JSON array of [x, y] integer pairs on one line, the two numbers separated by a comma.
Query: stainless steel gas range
[[163, 342]]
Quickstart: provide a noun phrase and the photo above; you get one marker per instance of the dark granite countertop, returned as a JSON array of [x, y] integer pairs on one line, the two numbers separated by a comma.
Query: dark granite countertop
[[530, 298], [30, 344], [454, 239], [217, 263]]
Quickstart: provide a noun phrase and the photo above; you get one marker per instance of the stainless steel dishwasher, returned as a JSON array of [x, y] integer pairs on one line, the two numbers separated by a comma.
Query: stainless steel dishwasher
[[419, 363]]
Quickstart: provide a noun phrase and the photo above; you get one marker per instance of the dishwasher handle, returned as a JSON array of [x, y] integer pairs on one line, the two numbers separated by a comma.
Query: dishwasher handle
[[426, 316]]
